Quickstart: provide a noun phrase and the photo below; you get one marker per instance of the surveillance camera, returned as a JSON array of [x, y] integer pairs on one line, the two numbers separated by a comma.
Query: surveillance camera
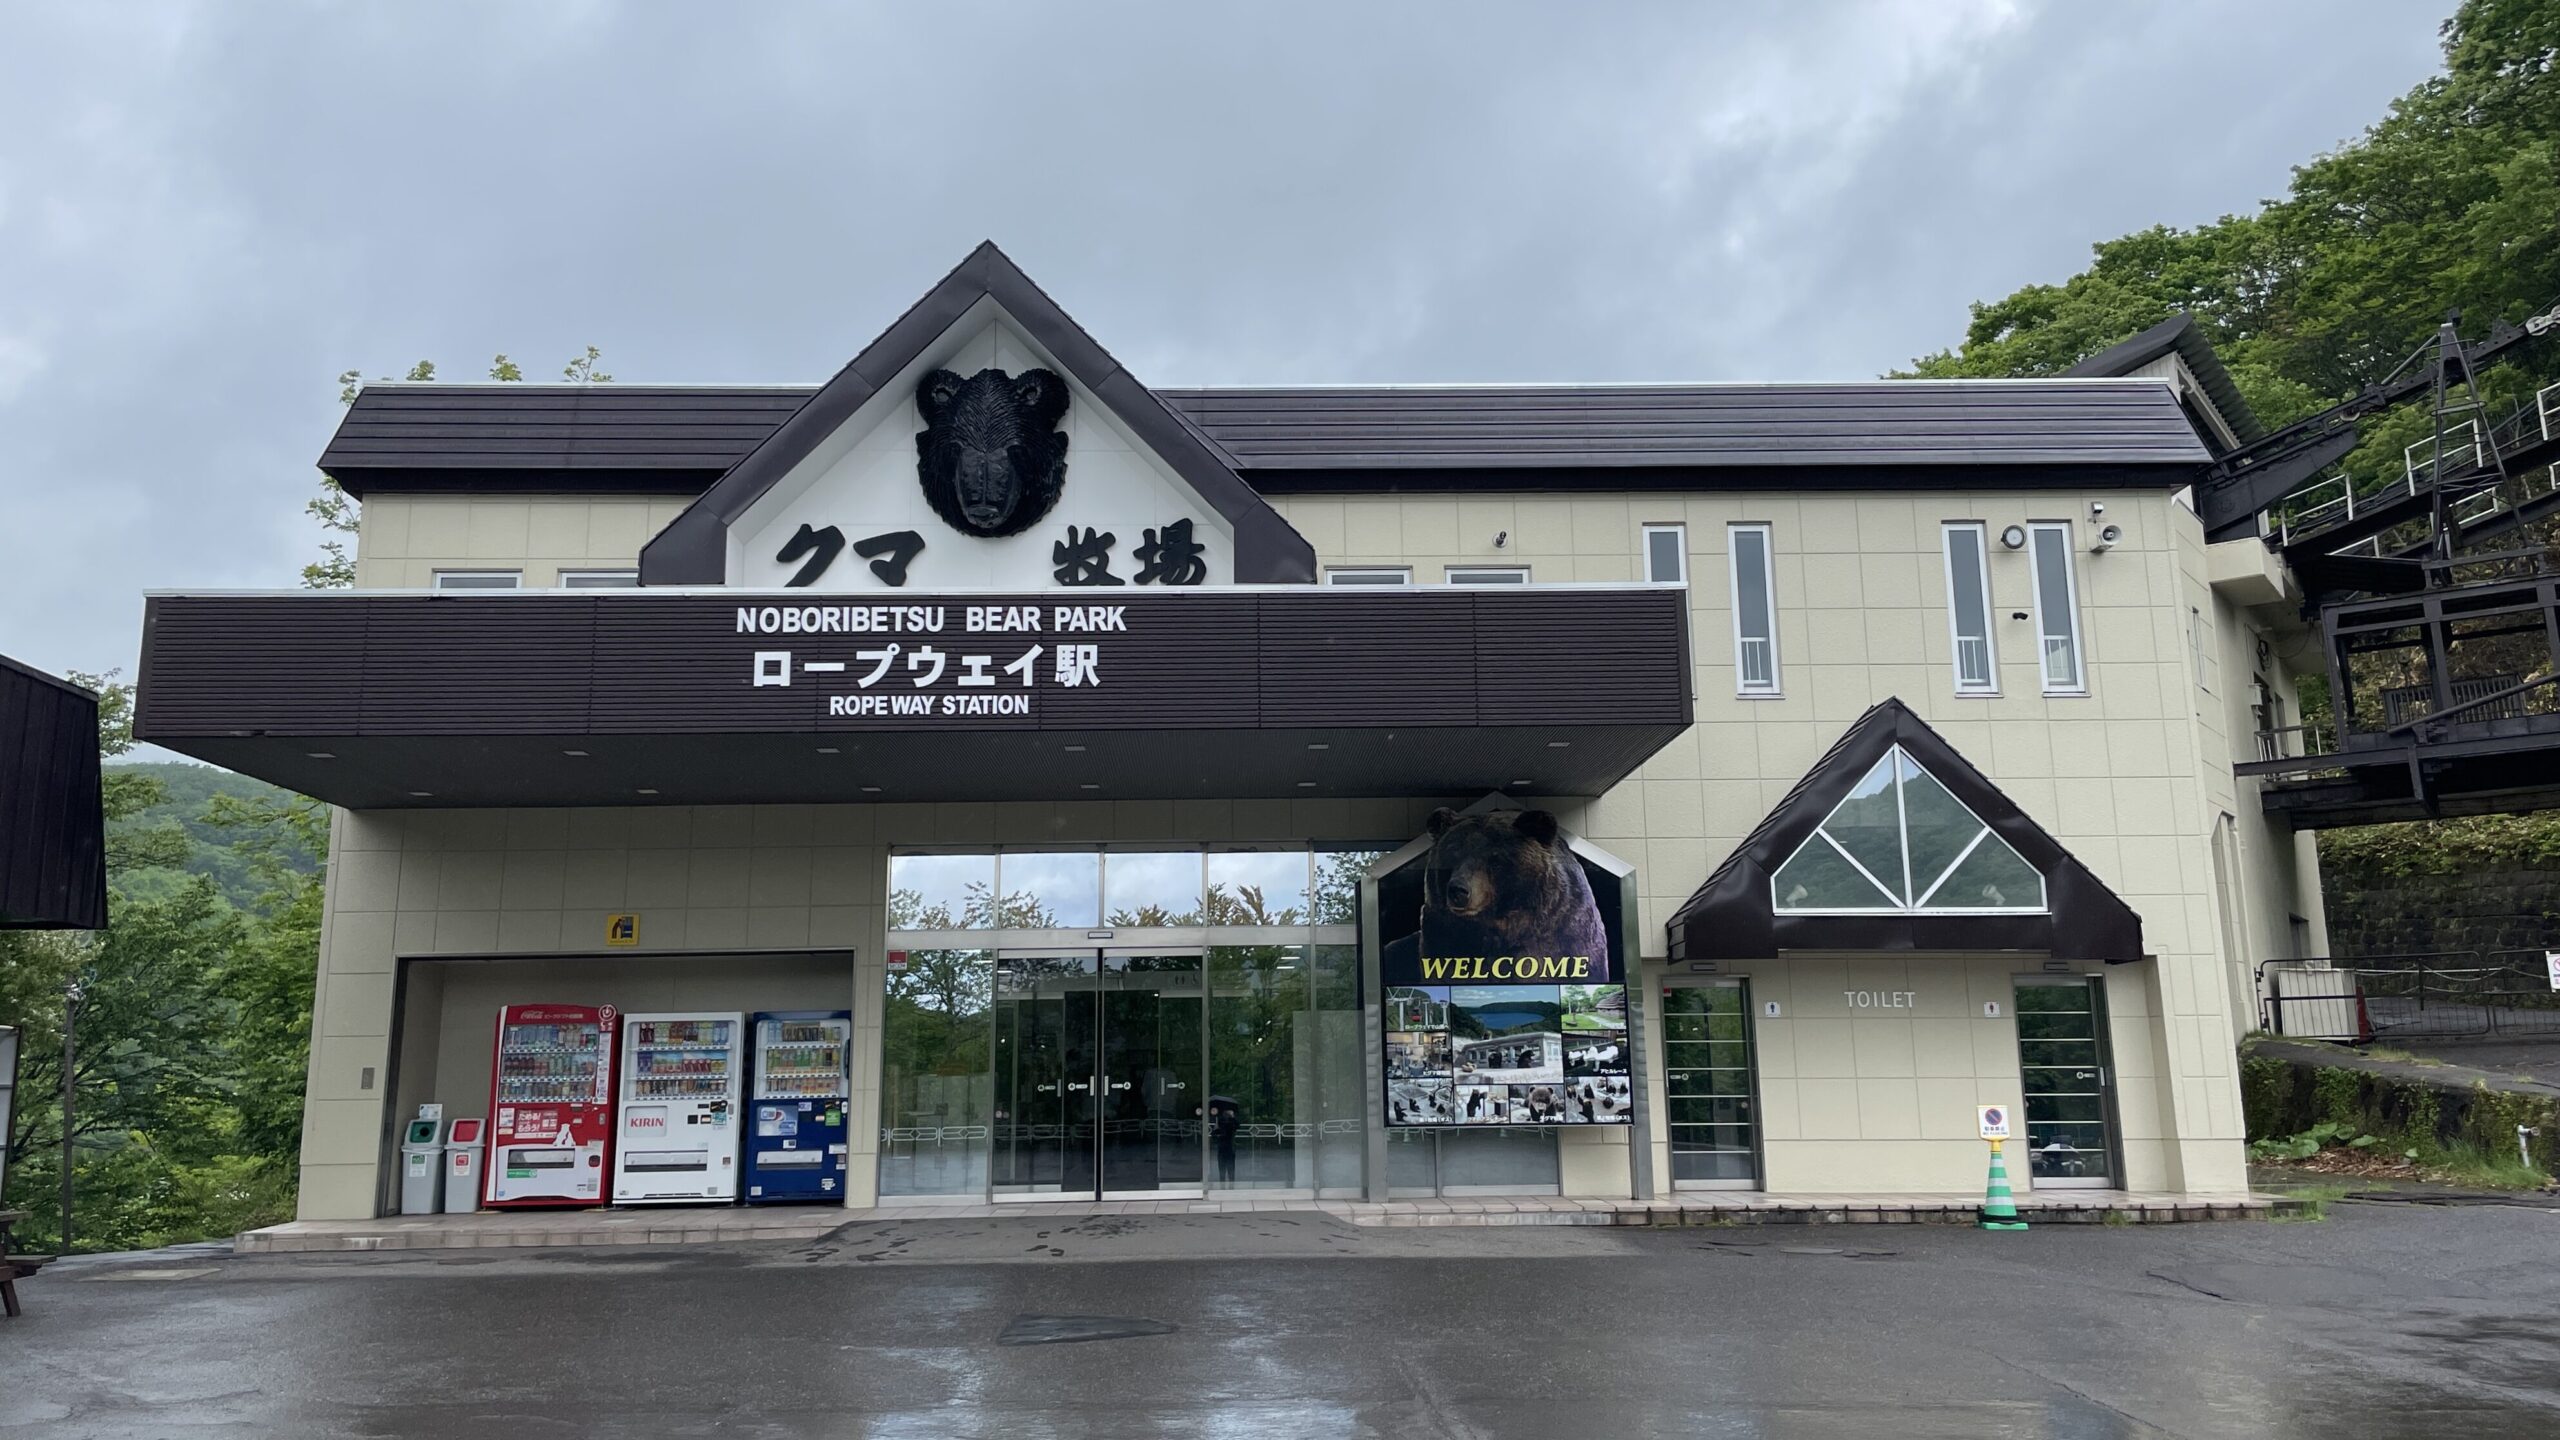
[[2097, 507], [1501, 538], [2107, 538]]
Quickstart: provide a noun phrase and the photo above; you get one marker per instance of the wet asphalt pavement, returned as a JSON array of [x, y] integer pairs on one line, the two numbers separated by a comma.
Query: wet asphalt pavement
[[2381, 1323]]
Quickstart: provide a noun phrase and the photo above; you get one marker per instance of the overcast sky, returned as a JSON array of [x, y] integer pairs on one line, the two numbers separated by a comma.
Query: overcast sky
[[208, 211]]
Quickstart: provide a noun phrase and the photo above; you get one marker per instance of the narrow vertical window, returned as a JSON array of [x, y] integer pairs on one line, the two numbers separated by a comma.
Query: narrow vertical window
[[2057, 609], [1969, 609], [1755, 623], [1666, 554]]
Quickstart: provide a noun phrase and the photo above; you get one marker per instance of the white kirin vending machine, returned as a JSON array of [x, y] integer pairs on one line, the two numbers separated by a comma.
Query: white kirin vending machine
[[678, 1137]]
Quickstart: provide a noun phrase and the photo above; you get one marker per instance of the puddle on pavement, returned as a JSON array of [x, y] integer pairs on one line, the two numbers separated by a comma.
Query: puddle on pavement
[[1075, 1329]]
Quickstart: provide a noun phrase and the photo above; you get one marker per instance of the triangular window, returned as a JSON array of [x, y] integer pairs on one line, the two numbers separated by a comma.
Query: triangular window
[[1901, 842]]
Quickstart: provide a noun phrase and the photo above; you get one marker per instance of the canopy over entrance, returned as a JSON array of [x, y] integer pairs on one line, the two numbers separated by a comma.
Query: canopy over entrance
[[1893, 841]]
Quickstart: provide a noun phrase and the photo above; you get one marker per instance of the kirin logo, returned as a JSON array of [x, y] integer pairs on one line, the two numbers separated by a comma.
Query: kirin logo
[[990, 457]]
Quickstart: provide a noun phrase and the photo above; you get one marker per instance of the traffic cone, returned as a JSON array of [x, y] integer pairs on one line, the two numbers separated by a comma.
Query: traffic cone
[[1999, 1211]]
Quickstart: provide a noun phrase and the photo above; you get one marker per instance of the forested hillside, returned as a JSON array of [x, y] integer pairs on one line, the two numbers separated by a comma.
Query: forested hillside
[[187, 794], [2450, 202]]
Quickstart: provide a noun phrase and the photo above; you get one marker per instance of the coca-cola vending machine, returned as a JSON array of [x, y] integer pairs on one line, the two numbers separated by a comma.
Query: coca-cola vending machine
[[550, 1106]]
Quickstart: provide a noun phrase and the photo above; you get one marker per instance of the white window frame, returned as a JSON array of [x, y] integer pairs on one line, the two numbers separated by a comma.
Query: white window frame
[[1369, 574], [1679, 533], [514, 579], [600, 579], [2078, 684], [1742, 686], [1499, 575], [1990, 685]]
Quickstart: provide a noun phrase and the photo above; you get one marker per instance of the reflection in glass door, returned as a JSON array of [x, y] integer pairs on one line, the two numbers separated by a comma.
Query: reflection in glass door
[[1706, 1077], [1044, 1064], [2063, 1064], [1150, 1079], [1098, 1076]]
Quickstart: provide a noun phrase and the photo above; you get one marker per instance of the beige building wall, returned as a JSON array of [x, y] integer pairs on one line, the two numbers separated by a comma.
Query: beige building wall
[[2133, 777], [406, 539]]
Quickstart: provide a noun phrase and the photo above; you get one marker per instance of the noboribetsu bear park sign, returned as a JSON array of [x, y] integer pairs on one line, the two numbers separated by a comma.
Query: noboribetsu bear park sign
[[989, 470]]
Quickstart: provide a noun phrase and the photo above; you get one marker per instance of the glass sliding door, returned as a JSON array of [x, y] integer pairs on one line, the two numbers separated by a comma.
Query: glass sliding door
[[1098, 1076], [1151, 1098], [2066, 1072], [1707, 1082], [1045, 1046]]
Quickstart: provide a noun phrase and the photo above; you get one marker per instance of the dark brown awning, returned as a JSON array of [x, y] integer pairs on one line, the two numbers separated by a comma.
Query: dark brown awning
[[1733, 916], [640, 697]]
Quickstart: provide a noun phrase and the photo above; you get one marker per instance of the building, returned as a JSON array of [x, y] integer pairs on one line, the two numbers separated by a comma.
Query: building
[[53, 830], [1893, 722]]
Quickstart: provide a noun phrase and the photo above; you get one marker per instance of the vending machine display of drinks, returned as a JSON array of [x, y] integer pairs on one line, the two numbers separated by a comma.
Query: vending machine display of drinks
[[795, 1141], [681, 1087], [550, 1106]]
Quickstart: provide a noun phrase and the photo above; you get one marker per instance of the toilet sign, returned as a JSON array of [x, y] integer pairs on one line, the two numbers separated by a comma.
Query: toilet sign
[[1995, 1122]]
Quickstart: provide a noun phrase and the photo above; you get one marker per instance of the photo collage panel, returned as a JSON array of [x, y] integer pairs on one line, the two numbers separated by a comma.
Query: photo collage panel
[[1507, 1055]]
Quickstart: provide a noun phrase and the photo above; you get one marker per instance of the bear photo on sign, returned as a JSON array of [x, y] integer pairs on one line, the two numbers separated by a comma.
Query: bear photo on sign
[[1506, 883]]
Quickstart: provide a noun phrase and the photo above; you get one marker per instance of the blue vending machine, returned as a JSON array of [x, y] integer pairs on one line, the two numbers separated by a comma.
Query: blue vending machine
[[796, 1118]]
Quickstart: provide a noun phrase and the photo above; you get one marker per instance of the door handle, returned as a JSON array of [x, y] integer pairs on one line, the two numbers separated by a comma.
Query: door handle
[[1078, 1085], [1176, 1085], [1046, 1089], [1119, 1084]]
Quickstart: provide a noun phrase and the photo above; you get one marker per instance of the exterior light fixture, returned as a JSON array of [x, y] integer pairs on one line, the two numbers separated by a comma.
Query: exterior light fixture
[[644, 790], [1319, 745], [319, 755], [870, 789], [1306, 784], [422, 794], [1072, 749], [575, 754], [1559, 744], [829, 750], [2014, 537], [1524, 782], [1089, 785]]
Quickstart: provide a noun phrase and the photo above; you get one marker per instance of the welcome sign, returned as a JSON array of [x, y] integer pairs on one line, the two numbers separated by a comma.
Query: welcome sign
[[1504, 998]]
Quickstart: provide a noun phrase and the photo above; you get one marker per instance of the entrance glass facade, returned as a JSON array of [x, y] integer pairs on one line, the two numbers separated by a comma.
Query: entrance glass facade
[[1211, 1041]]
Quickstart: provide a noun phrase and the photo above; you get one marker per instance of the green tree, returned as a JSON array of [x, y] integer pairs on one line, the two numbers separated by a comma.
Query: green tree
[[2450, 201], [337, 511]]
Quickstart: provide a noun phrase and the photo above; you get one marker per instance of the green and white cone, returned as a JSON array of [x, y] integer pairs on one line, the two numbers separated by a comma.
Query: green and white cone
[[1999, 1210]]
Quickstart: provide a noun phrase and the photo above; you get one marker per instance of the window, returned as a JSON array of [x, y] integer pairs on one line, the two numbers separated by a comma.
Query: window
[[2057, 608], [599, 579], [1969, 608], [1666, 554], [1369, 575], [1902, 842], [1755, 627], [1488, 574], [479, 579]]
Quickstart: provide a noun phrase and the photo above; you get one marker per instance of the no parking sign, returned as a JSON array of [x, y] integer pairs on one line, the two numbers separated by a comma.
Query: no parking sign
[[1995, 1122]]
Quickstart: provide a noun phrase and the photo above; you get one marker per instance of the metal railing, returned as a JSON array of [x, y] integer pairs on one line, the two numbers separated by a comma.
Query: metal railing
[[2456, 449], [2450, 995]]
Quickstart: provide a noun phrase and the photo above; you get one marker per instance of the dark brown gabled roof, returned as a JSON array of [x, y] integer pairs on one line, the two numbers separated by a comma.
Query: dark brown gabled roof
[[675, 439], [1732, 916], [693, 549], [2180, 333]]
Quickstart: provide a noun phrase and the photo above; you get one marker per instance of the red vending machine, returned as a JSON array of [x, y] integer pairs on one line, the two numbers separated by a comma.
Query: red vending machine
[[550, 1106]]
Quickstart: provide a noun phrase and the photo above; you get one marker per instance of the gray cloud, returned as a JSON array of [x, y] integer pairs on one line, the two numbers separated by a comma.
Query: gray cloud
[[207, 212]]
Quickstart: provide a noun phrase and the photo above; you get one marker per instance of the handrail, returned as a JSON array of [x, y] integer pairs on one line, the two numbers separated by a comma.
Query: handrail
[[2512, 691]]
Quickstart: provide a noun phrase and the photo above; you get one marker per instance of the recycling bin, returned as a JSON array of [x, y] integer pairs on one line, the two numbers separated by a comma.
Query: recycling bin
[[421, 1155], [463, 1148]]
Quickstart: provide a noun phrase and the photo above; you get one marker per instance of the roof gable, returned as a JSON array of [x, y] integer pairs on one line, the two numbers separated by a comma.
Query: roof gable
[[1735, 914], [695, 548]]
